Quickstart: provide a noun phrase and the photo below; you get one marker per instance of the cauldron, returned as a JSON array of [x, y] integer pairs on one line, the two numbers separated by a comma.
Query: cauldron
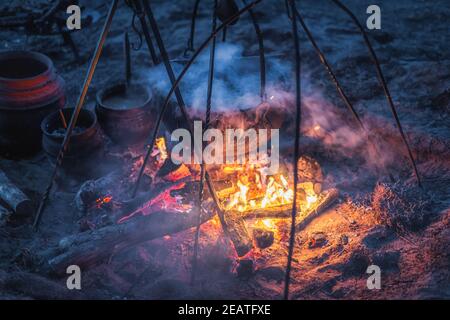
[[125, 114]]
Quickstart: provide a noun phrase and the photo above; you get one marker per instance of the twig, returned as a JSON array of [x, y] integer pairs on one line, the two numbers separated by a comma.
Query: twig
[[63, 118]]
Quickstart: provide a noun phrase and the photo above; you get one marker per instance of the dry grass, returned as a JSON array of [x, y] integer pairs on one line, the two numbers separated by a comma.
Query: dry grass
[[402, 207]]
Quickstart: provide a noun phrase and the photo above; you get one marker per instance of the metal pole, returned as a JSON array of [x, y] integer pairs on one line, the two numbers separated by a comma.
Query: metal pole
[[207, 123], [170, 73], [162, 50], [76, 112], [383, 83], [190, 43], [337, 84], [262, 57], [141, 16], [296, 147], [186, 116]]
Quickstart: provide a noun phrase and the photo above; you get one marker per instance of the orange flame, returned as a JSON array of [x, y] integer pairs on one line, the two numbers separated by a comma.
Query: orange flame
[[161, 146], [253, 191]]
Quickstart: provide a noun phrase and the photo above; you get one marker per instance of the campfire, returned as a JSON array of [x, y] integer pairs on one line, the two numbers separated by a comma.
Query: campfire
[[231, 163], [255, 202]]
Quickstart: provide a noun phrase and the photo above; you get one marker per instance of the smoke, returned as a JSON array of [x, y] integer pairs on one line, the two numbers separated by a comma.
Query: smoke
[[337, 130], [236, 84], [236, 87]]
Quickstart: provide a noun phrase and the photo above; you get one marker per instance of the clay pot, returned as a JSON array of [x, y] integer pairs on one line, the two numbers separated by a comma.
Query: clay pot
[[126, 114], [30, 89], [85, 146]]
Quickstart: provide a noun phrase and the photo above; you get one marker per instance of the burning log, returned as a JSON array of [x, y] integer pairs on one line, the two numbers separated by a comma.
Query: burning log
[[92, 247], [235, 228], [14, 197], [92, 189], [305, 216], [326, 199]]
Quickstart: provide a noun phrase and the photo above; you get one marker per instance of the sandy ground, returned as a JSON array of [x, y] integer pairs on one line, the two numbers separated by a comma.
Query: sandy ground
[[412, 47]]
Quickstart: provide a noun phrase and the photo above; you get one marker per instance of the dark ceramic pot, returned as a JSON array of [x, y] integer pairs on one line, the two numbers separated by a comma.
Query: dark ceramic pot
[[30, 89], [126, 115], [85, 147]]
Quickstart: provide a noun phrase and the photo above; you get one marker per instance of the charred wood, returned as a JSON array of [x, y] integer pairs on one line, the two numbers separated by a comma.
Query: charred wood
[[14, 197], [90, 248], [236, 230]]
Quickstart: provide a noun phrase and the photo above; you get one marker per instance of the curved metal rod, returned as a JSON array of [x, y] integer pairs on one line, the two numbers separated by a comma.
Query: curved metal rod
[[296, 148], [383, 84], [170, 73], [262, 57], [207, 123], [175, 86], [330, 71], [138, 10], [190, 43], [337, 84]]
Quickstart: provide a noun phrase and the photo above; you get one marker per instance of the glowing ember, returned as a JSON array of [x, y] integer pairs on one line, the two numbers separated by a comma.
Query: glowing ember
[[182, 172], [103, 200]]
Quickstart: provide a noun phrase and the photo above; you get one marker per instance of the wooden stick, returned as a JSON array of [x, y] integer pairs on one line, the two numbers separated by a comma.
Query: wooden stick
[[305, 217], [238, 233], [63, 118], [76, 112]]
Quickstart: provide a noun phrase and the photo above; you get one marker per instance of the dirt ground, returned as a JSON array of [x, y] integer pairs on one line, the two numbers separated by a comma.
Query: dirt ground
[[397, 226]]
